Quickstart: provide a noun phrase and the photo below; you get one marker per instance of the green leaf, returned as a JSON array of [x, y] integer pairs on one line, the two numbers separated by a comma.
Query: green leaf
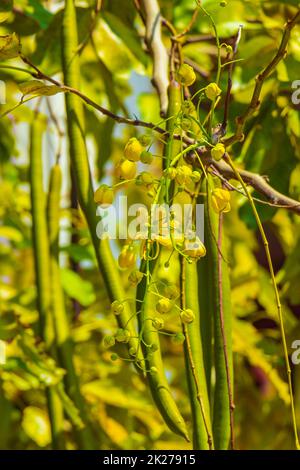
[[77, 288], [36, 11], [127, 35], [10, 46], [38, 88]]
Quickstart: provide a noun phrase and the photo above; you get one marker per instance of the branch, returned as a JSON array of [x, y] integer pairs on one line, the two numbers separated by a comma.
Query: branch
[[260, 79], [158, 51], [256, 181], [260, 184]]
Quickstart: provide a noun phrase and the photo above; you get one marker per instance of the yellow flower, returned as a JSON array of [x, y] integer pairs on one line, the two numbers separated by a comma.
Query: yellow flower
[[127, 169], [212, 91], [218, 151], [145, 179], [194, 249], [184, 174], [186, 75], [133, 150], [220, 200], [104, 196]]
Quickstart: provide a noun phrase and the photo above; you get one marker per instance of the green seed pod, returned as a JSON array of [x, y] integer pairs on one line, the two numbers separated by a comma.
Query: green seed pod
[[153, 370], [41, 252], [108, 341]]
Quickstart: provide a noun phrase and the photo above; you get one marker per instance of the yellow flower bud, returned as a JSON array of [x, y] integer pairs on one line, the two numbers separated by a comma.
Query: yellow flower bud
[[127, 169], [158, 323], [196, 176], [184, 172], [218, 151], [146, 157], [164, 305], [179, 338], [117, 307], [194, 249], [108, 341], [122, 335], [170, 173], [135, 277], [220, 200], [104, 196], [212, 91], [187, 315], [145, 179], [133, 150], [186, 75]]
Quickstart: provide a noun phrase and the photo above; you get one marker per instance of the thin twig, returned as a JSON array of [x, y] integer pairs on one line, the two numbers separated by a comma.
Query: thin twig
[[160, 75]]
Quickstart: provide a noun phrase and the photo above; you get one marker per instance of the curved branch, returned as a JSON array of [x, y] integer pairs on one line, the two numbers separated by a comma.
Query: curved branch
[[260, 184], [158, 51]]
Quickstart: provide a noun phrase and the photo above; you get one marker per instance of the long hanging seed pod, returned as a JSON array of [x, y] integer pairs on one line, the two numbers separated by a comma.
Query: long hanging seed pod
[[223, 406], [202, 432], [159, 386], [42, 267], [81, 170], [63, 340]]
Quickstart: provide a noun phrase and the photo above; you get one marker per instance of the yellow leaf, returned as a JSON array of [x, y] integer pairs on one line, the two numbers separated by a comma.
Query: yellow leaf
[[36, 87], [10, 46], [36, 425]]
